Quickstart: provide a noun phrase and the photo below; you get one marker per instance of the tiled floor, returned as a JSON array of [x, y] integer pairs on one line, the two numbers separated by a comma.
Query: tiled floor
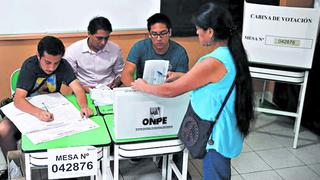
[[267, 154]]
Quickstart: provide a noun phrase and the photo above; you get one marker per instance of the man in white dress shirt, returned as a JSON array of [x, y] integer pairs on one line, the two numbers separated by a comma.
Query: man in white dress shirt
[[96, 60]]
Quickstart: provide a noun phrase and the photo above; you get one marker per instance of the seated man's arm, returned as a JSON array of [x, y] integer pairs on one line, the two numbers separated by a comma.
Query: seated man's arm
[[115, 83], [117, 70], [181, 68], [172, 76], [21, 103], [127, 73], [87, 88], [81, 98]]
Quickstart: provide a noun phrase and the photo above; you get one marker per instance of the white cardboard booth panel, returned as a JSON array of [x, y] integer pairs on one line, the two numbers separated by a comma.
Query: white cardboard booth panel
[[139, 115], [280, 36]]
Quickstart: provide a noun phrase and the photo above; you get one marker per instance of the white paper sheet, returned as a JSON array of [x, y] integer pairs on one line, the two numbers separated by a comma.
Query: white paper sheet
[[61, 131], [155, 71], [65, 114], [101, 95]]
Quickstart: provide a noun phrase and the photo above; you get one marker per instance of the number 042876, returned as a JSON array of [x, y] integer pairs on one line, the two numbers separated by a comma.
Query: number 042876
[[72, 167]]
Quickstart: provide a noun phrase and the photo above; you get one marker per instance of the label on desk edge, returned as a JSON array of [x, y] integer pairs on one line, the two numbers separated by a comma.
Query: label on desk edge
[[72, 162]]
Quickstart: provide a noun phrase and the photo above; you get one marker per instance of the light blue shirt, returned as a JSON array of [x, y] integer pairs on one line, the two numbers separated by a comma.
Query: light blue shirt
[[206, 102]]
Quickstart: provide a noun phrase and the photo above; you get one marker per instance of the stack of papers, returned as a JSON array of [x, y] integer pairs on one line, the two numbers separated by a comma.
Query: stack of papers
[[66, 117], [101, 95]]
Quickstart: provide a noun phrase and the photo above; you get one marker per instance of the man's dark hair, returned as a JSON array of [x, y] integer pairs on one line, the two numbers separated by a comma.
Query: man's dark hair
[[159, 18], [99, 23], [51, 45]]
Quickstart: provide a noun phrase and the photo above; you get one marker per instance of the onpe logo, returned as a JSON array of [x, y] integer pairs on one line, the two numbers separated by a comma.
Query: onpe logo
[[155, 117]]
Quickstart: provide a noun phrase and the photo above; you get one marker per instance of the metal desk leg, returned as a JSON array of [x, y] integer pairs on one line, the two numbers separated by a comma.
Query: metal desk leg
[[28, 166], [173, 167], [106, 172], [98, 174], [116, 162], [263, 91], [164, 166], [185, 164], [169, 170], [300, 109]]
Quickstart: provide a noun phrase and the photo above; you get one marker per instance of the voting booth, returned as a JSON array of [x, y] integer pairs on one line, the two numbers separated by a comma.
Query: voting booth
[[280, 43], [280, 36], [138, 114]]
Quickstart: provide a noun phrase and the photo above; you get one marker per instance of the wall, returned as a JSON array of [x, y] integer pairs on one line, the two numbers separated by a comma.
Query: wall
[[72, 16], [14, 50]]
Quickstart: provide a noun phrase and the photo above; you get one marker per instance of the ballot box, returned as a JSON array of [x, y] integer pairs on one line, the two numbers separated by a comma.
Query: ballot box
[[138, 114]]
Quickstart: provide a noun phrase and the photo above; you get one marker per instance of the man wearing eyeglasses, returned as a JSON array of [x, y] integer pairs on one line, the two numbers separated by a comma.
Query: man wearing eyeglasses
[[157, 46], [96, 60]]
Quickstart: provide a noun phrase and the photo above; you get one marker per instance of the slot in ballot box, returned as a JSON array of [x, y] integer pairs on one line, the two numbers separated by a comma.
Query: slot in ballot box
[[138, 114]]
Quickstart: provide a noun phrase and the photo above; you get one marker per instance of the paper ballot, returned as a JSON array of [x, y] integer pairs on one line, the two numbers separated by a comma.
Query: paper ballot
[[101, 95], [66, 116], [155, 71]]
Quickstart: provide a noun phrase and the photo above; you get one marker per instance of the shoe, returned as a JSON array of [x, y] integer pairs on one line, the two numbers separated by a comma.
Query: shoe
[[135, 160]]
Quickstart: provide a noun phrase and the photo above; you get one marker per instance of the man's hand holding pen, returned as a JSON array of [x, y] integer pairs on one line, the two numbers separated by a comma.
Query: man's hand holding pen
[[44, 114], [86, 112]]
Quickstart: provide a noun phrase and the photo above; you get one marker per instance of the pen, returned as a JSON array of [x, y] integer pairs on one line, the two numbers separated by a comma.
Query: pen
[[160, 73], [84, 117], [45, 107]]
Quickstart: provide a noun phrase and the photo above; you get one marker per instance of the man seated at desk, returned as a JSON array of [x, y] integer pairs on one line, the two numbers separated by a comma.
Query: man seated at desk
[[157, 46], [96, 60], [39, 74]]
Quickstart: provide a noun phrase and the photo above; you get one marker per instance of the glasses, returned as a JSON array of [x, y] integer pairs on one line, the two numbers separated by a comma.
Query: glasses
[[100, 38], [161, 34]]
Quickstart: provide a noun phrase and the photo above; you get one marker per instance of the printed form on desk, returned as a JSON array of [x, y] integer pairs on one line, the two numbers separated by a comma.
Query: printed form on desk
[[101, 95], [66, 117]]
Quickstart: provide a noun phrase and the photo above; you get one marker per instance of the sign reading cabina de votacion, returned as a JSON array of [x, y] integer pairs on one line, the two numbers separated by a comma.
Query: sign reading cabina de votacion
[[281, 36]]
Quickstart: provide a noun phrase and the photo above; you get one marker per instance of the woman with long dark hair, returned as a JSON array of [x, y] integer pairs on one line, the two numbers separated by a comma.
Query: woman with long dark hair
[[209, 80]]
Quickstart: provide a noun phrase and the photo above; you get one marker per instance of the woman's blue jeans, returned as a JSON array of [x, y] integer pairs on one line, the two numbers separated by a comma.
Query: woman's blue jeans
[[216, 166]]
